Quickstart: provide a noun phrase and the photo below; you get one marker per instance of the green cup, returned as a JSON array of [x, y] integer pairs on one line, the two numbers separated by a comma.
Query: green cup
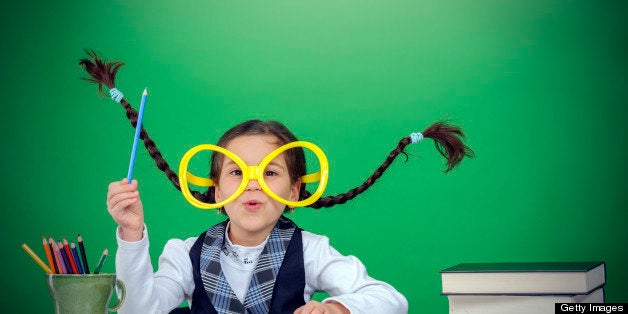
[[84, 294]]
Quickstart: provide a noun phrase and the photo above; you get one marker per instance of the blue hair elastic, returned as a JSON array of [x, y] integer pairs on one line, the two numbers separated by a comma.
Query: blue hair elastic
[[116, 95], [416, 137]]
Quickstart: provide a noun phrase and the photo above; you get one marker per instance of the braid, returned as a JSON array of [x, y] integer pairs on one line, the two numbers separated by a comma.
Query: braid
[[330, 201], [101, 72], [447, 139], [104, 73]]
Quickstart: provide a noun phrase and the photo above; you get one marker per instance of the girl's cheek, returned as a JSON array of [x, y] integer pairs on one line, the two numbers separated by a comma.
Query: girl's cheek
[[228, 186]]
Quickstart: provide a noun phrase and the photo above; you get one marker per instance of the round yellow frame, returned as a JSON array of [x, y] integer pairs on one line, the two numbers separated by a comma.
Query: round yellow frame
[[250, 173]]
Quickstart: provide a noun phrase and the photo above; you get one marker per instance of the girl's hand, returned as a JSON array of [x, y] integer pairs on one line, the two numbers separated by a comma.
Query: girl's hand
[[125, 206], [315, 307]]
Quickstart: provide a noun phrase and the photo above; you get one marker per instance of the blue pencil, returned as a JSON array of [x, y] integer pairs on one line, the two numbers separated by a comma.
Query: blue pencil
[[76, 257], [138, 129]]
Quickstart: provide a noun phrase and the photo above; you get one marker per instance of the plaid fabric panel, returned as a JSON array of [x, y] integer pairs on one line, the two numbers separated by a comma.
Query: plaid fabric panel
[[260, 290], [263, 281], [218, 290]]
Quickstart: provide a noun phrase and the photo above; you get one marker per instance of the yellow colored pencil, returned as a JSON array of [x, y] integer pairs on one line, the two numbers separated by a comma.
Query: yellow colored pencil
[[36, 258]]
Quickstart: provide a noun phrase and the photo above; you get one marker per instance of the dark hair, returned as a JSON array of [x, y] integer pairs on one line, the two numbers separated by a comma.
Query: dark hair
[[295, 158], [447, 140]]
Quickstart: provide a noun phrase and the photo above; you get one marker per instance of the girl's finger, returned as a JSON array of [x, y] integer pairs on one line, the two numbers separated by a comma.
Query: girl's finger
[[116, 199]]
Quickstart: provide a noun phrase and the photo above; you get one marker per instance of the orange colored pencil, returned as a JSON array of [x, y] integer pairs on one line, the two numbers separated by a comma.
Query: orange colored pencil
[[55, 259], [58, 257], [49, 255], [70, 256]]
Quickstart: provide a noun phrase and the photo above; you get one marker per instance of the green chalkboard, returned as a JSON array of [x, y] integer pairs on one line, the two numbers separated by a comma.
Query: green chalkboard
[[539, 87]]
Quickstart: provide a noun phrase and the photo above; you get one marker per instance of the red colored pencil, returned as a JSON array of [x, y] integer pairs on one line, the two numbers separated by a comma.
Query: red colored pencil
[[66, 246]]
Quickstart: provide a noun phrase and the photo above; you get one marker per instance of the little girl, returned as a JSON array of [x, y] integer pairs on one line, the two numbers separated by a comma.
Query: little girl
[[256, 261]]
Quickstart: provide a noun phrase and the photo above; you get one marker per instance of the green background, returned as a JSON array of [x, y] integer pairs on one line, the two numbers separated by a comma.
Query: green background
[[539, 87]]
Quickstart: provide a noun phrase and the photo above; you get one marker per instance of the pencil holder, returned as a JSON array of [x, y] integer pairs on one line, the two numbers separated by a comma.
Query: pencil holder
[[84, 294]]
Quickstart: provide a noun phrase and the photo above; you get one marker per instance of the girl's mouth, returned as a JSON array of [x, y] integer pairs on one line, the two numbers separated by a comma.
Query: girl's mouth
[[252, 205]]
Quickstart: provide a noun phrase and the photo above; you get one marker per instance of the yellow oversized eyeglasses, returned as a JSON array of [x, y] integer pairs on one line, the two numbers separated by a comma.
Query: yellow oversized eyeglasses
[[252, 173]]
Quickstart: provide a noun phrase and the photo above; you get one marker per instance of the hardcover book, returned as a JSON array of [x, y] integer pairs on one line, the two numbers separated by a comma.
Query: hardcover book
[[553, 278], [516, 304]]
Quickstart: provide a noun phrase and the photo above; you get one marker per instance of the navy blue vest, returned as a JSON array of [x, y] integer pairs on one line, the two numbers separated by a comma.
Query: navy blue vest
[[289, 284]]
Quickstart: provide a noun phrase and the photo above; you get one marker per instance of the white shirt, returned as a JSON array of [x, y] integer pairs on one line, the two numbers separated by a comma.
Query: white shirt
[[239, 264], [344, 278]]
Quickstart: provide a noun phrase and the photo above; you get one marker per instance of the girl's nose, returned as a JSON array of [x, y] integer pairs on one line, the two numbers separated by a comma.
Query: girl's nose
[[253, 185]]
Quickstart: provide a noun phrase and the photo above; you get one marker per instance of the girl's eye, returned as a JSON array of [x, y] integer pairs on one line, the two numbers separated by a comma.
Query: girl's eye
[[270, 173], [237, 172]]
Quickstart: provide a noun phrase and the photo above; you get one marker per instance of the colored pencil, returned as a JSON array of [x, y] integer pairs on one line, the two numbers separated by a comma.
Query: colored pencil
[[36, 258], [57, 253], [101, 261], [68, 253], [64, 257], [83, 256], [138, 129], [75, 254], [49, 255], [54, 258]]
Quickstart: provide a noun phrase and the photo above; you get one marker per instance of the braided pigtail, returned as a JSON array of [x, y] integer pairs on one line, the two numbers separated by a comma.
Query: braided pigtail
[[447, 139], [104, 73]]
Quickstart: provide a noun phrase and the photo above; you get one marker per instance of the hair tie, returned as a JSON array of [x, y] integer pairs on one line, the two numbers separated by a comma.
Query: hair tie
[[416, 137], [116, 95]]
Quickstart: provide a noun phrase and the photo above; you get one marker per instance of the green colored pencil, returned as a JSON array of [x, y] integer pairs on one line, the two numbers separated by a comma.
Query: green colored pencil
[[101, 261]]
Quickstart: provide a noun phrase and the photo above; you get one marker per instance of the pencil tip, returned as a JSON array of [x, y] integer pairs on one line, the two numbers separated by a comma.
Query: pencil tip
[[106, 251], [145, 91]]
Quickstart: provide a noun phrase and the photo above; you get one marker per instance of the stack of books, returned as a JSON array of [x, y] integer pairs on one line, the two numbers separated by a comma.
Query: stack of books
[[521, 287]]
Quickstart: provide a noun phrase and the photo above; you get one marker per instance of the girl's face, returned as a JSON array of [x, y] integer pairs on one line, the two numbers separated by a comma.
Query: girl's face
[[254, 214]]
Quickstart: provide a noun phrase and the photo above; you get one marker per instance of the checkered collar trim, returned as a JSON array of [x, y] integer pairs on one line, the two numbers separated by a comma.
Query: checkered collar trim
[[260, 290]]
